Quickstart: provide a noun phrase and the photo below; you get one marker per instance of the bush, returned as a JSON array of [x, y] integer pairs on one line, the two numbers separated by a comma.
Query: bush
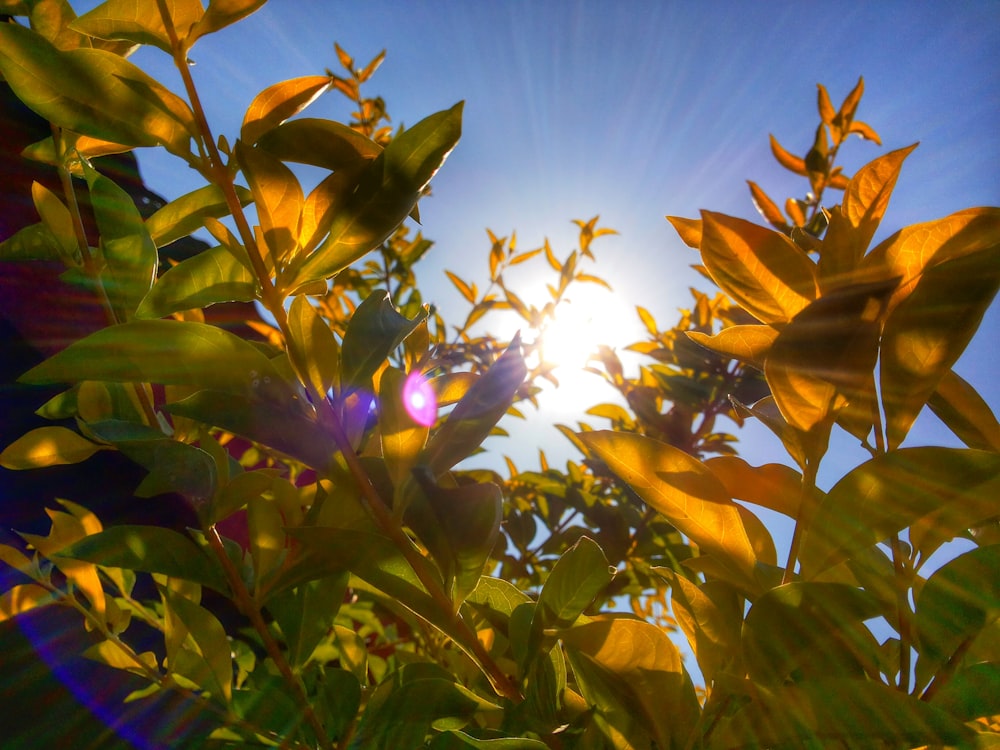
[[388, 597]]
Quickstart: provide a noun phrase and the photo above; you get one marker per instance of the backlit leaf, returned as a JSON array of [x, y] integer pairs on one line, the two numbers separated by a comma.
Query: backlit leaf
[[455, 740], [462, 287], [56, 217], [786, 159], [129, 252], [690, 230], [892, 492], [208, 278], [773, 486], [682, 489], [746, 343], [305, 615], [322, 143], [766, 207], [146, 351], [317, 347], [139, 21], [23, 598], [402, 437], [956, 603], [149, 549], [387, 192], [33, 242], [928, 331], [278, 102], [222, 13], [210, 640], [277, 196], [93, 92], [958, 405], [376, 328], [578, 576], [805, 448], [47, 446], [763, 270], [472, 419], [185, 215], [267, 539]]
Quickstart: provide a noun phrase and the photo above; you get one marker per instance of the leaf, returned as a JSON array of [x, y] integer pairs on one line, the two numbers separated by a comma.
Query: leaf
[[683, 490], [405, 717], [148, 549], [805, 448], [828, 348], [321, 143], [277, 196], [963, 410], [865, 201], [317, 347], [891, 492], [460, 527], [641, 668], [928, 331], [576, 579], [836, 711], [129, 252], [822, 633], [746, 343], [266, 537], [205, 279], [212, 644], [56, 217], [826, 111], [139, 21], [279, 102], [402, 437], [971, 693], [33, 242], [185, 215], [305, 614], [388, 191], [146, 351], [773, 486], [462, 287], [455, 740], [763, 270], [475, 415], [282, 423], [93, 92], [766, 207], [220, 14], [24, 598], [787, 160], [47, 446], [957, 602], [375, 329]]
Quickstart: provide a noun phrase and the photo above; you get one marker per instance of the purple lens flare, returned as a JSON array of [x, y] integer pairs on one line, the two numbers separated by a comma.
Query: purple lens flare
[[419, 399]]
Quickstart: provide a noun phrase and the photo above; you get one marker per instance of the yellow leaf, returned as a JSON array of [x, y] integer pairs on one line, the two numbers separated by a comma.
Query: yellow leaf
[[865, 131], [22, 598], [747, 343], [317, 347], [826, 111], [402, 437], [277, 103], [267, 539], [47, 446], [766, 207], [763, 270], [787, 160], [462, 287], [683, 490], [688, 229], [772, 486], [278, 197], [527, 255], [850, 104]]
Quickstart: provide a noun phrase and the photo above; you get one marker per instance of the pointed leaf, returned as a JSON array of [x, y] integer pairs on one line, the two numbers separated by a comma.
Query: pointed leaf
[[33, 242], [322, 143], [93, 92], [805, 448], [763, 270], [891, 492], [388, 191], [376, 328], [277, 196], [766, 207], [312, 336], [146, 351], [139, 21], [149, 549], [47, 446], [683, 490], [211, 641], [402, 437], [185, 215], [746, 343], [278, 102], [773, 486], [928, 331], [222, 13], [787, 160], [205, 279], [24, 598], [957, 404], [577, 578]]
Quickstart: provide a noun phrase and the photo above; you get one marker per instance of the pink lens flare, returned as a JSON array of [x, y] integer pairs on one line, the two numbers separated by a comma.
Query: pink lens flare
[[419, 399]]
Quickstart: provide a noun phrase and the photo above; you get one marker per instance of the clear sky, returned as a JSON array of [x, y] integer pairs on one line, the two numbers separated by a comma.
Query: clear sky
[[634, 110]]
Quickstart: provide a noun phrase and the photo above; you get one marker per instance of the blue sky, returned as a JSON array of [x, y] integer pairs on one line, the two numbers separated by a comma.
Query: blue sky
[[634, 110]]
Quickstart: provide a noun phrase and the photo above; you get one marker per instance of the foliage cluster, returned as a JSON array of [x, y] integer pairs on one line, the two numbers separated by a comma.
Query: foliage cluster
[[390, 597]]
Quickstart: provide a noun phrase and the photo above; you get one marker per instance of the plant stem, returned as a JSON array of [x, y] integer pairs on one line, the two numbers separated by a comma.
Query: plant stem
[[902, 613], [803, 520], [249, 608]]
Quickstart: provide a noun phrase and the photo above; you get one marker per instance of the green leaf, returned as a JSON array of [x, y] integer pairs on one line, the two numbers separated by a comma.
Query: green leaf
[[147, 351], [208, 278], [33, 242], [405, 717], [375, 329], [283, 424], [129, 253], [402, 437], [891, 492], [211, 642], [149, 549], [472, 419], [317, 347], [321, 143], [305, 614], [387, 193], [683, 490], [928, 331], [955, 604], [579, 575], [455, 740], [220, 14], [834, 711], [93, 92], [971, 693], [956, 403], [139, 21], [185, 215], [631, 670], [829, 349], [460, 527], [763, 270], [47, 446], [278, 102], [342, 698], [57, 218], [822, 633]]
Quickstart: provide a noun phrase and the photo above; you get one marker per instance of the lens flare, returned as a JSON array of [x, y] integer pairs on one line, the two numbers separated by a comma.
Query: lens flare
[[419, 399]]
